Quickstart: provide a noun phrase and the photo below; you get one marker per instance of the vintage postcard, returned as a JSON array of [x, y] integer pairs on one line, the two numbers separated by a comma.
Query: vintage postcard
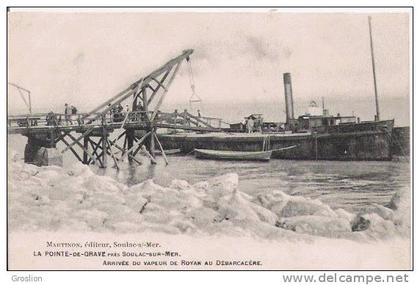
[[209, 139]]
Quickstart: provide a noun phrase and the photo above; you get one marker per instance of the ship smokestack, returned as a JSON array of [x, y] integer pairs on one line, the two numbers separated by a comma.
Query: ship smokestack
[[288, 95]]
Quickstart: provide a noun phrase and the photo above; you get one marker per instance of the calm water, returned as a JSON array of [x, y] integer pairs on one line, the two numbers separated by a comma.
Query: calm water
[[343, 184]]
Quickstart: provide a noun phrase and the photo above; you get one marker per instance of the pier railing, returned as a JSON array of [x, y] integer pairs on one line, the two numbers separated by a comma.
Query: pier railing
[[49, 119], [175, 120]]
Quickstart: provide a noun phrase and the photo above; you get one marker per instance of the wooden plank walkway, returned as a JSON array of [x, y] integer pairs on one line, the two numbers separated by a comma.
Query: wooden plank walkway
[[33, 124]]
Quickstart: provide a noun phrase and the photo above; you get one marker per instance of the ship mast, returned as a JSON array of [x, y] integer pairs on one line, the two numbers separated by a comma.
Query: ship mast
[[373, 69]]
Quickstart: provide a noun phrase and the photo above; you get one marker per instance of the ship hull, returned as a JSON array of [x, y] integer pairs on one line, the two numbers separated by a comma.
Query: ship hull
[[360, 142]]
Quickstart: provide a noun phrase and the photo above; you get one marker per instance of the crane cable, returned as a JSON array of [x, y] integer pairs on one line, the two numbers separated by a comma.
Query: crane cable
[[194, 97]]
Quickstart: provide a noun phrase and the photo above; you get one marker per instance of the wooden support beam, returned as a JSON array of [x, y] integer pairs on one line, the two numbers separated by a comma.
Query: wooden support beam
[[152, 143], [112, 155], [137, 96], [161, 149], [130, 142], [152, 159], [171, 79], [79, 144], [151, 88], [195, 123], [134, 105], [52, 138], [76, 141], [200, 120], [160, 84], [107, 109], [119, 98], [125, 144], [135, 145], [104, 143], [144, 150], [122, 93], [145, 105], [137, 150], [72, 150], [86, 146], [124, 121], [108, 151], [185, 54], [119, 136], [63, 134], [129, 155], [93, 152], [96, 147]]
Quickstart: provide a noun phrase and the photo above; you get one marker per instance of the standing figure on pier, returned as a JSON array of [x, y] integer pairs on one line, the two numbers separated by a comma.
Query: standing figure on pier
[[186, 118], [250, 124], [110, 113], [67, 114]]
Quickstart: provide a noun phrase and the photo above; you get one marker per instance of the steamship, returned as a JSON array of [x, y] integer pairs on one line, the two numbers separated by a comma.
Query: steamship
[[315, 136], [335, 137], [312, 136]]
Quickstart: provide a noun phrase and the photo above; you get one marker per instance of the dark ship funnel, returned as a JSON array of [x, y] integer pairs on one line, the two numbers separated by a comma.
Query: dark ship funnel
[[288, 95]]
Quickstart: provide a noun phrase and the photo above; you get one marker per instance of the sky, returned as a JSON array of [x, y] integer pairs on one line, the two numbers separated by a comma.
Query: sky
[[83, 58]]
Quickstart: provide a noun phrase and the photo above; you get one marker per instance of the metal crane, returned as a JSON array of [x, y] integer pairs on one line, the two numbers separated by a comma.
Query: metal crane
[[147, 95]]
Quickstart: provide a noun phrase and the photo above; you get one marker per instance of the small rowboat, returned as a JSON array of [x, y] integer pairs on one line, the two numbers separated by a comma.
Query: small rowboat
[[233, 155], [168, 151], [279, 150]]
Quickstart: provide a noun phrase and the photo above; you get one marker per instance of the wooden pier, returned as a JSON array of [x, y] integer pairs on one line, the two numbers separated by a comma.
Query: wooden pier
[[108, 132]]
